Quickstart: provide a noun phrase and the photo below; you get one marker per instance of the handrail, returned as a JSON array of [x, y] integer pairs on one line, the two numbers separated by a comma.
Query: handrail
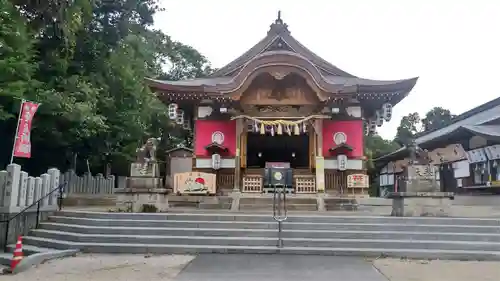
[[59, 188], [279, 211]]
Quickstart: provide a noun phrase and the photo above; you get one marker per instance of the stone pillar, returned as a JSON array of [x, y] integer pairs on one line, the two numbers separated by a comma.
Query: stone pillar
[[45, 188], [111, 184], [3, 187], [54, 183], [31, 191], [38, 188], [100, 188], [12, 184], [87, 183], [79, 184], [237, 169], [23, 194]]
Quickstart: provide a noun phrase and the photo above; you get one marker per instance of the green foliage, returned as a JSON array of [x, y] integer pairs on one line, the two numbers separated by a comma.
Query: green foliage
[[412, 124], [86, 63], [149, 208], [408, 127], [436, 118], [16, 54], [376, 146]]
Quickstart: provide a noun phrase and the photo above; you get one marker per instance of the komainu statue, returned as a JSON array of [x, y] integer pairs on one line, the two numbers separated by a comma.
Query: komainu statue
[[417, 154], [146, 155]]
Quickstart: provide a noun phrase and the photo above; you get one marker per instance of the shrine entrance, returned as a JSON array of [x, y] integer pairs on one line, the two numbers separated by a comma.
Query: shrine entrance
[[293, 149]]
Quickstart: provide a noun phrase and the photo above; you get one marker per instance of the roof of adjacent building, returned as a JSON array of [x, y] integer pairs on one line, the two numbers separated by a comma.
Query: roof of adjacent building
[[279, 41], [475, 121]]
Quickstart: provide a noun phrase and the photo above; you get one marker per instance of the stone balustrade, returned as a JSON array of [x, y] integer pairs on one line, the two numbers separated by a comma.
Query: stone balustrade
[[88, 184], [19, 190]]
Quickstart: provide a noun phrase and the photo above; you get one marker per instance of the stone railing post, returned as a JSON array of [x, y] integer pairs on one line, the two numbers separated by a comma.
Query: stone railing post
[[30, 191], [23, 186], [54, 183], [45, 188], [12, 185], [3, 187], [38, 188]]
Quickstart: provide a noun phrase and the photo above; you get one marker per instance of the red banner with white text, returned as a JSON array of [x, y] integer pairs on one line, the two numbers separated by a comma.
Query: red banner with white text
[[22, 144]]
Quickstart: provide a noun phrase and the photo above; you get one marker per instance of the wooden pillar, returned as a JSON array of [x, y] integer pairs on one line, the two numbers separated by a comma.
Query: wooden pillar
[[237, 159], [312, 148], [320, 160]]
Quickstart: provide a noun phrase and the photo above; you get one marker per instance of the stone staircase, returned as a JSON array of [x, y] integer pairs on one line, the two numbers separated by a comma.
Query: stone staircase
[[443, 238], [266, 203]]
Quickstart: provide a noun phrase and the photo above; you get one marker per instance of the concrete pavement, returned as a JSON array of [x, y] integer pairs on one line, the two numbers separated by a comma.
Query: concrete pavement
[[213, 267]]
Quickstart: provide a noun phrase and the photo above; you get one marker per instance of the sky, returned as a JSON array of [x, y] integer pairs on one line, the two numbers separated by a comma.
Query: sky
[[453, 46]]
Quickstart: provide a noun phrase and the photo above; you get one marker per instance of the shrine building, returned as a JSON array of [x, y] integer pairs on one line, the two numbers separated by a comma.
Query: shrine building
[[466, 153], [281, 104]]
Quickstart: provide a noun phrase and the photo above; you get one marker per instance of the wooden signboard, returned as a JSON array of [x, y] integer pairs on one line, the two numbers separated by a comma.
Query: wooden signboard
[[357, 181], [195, 183]]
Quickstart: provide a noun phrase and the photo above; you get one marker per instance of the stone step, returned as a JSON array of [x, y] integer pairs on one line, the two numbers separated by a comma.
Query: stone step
[[215, 206], [338, 251], [5, 259], [290, 207], [260, 241], [267, 217], [291, 200], [462, 228], [297, 233]]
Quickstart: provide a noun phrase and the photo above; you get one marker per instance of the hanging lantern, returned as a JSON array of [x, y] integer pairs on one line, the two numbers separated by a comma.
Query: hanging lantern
[[387, 111], [172, 111], [379, 118], [366, 128], [216, 161], [342, 162], [187, 124], [373, 126], [180, 117], [304, 127], [250, 126]]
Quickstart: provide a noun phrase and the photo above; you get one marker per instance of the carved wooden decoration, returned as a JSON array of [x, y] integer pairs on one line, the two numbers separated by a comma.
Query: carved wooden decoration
[[279, 110], [450, 153]]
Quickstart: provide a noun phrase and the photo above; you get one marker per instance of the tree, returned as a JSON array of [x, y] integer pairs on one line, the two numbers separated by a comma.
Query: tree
[[376, 146], [436, 118], [16, 65], [90, 61], [408, 127]]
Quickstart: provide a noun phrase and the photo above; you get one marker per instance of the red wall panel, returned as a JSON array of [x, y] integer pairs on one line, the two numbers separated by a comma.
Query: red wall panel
[[353, 130], [203, 136]]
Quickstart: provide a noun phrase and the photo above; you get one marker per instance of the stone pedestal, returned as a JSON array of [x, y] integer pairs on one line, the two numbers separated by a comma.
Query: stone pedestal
[[141, 178], [133, 199], [421, 204], [420, 195]]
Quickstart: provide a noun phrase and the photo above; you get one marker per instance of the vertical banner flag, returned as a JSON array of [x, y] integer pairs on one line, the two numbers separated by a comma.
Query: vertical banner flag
[[22, 144]]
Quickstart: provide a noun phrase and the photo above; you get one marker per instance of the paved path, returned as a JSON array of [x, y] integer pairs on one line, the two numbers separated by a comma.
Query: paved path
[[278, 268]]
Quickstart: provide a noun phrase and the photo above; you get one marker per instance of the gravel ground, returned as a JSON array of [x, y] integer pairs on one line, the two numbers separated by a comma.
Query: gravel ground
[[438, 270], [106, 268]]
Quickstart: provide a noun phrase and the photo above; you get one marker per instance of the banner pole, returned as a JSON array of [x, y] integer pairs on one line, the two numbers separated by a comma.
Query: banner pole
[[17, 128]]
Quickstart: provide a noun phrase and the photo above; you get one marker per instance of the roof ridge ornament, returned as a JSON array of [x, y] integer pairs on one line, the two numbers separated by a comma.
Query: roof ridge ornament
[[279, 27], [279, 20]]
